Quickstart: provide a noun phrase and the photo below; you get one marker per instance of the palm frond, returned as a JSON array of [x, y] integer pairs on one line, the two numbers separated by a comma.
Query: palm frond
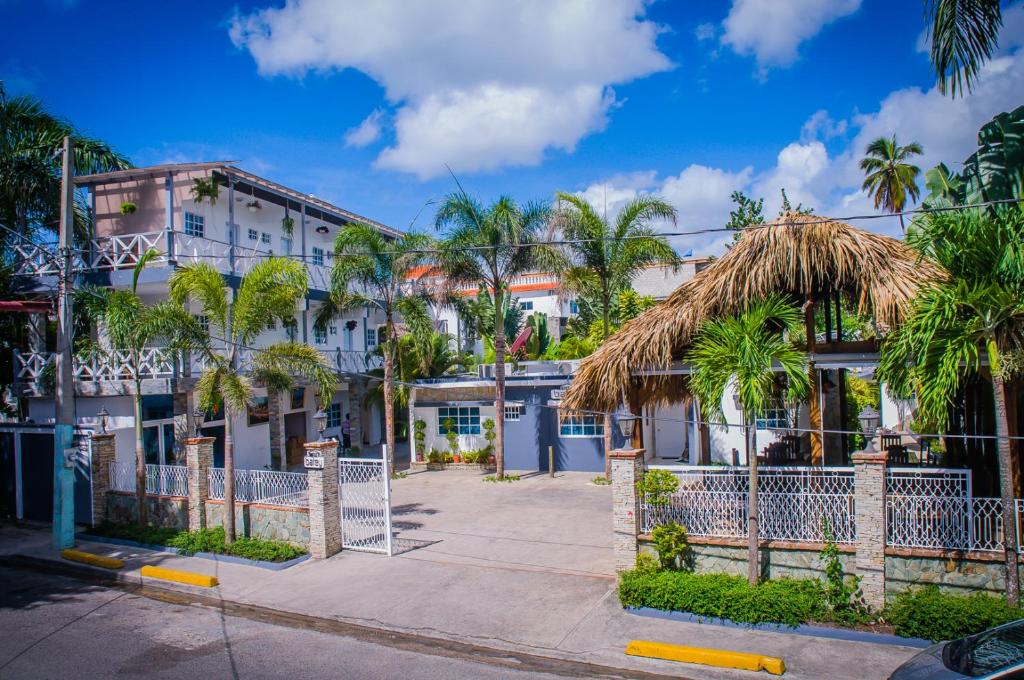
[[202, 283], [964, 35]]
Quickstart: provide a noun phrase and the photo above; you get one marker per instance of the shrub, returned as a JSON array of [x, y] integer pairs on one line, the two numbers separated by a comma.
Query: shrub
[[647, 563], [267, 551], [933, 615], [133, 532], [209, 540], [657, 486], [506, 478], [786, 601], [673, 547], [601, 480], [842, 594], [435, 456]]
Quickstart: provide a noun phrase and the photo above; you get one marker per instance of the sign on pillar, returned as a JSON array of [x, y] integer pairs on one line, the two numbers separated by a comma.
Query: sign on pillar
[[321, 463]]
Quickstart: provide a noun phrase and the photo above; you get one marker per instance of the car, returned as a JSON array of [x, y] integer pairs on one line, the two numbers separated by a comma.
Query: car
[[994, 653]]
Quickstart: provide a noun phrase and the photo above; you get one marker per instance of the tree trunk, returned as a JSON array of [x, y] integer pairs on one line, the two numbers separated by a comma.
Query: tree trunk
[[499, 384], [389, 403], [903, 227], [140, 460], [814, 416], [1006, 491], [752, 535], [229, 479]]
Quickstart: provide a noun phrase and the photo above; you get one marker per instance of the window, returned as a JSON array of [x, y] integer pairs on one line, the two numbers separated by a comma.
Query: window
[[333, 329], [465, 419], [318, 256], [254, 235], [526, 306], [334, 415], [574, 307], [319, 335], [195, 225], [513, 411], [265, 238], [579, 425], [286, 245], [371, 338], [203, 321], [776, 416]]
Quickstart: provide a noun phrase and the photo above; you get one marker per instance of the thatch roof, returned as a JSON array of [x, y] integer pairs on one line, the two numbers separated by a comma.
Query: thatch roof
[[796, 254]]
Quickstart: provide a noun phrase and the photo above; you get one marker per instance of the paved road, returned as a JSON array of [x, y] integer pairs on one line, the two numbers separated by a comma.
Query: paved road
[[55, 627]]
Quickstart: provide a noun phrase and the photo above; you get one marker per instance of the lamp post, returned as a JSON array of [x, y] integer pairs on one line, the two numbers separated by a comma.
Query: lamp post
[[627, 424], [321, 422], [868, 418], [197, 419], [103, 415]]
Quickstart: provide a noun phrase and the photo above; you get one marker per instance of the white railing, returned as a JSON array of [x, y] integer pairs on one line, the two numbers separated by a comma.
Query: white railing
[[215, 253], [152, 362], [125, 251], [263, 486], [30, 366], [352, 361], [793, 503], [161, 480]]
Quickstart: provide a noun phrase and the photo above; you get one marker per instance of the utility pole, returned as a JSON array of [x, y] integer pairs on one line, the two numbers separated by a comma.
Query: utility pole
[[64, 399]]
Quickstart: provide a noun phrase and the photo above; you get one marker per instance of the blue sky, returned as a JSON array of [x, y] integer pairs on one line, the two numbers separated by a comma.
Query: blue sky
[[364, 105]]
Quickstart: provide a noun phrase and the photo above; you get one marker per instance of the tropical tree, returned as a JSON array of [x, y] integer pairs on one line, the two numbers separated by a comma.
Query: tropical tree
[[130, 327], [604, 256], [978, 312], [489, 246], [372, 271], [418, 357], [268, 293], [890, 179], [746, 353], [964, 35], [539, 339]]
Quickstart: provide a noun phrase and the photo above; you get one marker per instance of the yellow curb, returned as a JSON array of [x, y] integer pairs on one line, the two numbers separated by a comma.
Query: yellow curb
[[706, 657], [179, 576], [94, 560]]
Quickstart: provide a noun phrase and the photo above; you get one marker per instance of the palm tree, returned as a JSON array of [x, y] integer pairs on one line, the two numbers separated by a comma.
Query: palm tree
[[131, 327], [743, 352], [604, 256], [269, 292], [489, 246], [964, 35], [977, 312], [889, 178], [372, 271]]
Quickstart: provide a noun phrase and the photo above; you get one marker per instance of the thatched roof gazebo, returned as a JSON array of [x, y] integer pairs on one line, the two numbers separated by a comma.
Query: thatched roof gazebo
[[814, 259]]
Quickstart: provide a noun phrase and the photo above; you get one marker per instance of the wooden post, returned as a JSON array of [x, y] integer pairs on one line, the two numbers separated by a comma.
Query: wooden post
[[551, 461]]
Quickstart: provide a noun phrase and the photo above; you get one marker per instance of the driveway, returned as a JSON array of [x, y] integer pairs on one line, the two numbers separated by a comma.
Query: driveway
[[561, 524]]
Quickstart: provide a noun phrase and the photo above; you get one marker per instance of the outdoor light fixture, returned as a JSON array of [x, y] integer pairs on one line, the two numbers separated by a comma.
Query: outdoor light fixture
[[197, 418], [322, 229], [868, 418], [103, 415], [321, 422], [627, 423]]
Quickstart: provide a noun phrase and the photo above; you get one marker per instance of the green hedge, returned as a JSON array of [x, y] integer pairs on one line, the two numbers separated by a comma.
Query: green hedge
[[786, 601], [934, 615], [205, 540]]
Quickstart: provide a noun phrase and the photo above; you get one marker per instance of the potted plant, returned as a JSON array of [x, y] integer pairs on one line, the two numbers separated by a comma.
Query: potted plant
[[205, 188], [254, 205], [420, 435], [489, 435], [288, 225], [128, 208], [456, 458], [452, 436]]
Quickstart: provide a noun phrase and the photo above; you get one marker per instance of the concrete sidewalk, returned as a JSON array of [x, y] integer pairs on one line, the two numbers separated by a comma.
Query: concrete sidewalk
[[524, 609]]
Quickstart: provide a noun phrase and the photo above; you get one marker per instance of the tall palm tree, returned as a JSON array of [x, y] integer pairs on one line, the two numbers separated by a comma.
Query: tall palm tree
[[268, 293], [131, 326], [890, 179], [964, 35], [603, 257], [489, 246], [372, 271], [977, 313], [743, 352]]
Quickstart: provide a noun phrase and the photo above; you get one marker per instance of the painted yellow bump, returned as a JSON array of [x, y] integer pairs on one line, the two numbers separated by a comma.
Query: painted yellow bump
[[188, 577], [706, 657], [94, 560]]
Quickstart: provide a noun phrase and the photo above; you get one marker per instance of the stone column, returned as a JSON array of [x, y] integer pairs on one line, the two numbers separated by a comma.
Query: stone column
[[276, 429], [324, 511], [104, 452], [199, 459], [869, 495], [627, 466], [356, 392]]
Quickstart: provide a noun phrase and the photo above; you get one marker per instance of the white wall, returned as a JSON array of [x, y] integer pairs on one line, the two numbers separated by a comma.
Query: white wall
[[121, 421], [434, 440]]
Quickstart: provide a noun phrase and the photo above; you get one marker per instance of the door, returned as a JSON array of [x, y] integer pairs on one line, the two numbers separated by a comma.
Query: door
[[37, 476], [158, 443], [8, 488]]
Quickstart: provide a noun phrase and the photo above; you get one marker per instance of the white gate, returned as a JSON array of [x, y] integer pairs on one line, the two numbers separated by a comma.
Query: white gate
[[364, 490]]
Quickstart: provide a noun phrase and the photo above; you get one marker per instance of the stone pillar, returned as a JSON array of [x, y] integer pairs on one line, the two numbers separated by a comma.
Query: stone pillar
[[324, 511], [356, 393], [104, 452], [199, 459], [627, 467], [276, 429], [869, 495], [183, 404]]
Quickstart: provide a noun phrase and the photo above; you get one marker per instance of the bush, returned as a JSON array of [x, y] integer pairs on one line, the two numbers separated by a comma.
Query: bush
[[601, 480], [786, 601], [133, 532], [933, 615], [657, 486], [842, 595], [506, 478], [209, 540], [673, 547]]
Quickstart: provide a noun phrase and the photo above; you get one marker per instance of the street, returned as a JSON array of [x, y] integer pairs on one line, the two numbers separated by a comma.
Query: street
[[57, 627]]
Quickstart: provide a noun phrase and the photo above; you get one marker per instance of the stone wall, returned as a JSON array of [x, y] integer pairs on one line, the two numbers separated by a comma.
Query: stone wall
[[164, 511], [269, 522], [952, 572]]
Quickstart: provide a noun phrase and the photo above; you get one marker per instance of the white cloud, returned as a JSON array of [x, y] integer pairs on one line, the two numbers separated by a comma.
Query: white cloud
[[705, 31], [449, 78], [821, 125], [772, 30], [366, 133]]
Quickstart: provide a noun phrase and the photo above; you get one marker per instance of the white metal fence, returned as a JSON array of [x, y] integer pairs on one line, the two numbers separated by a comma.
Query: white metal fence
[[793, 502], [263, 486], [161, 480], [364, 490]]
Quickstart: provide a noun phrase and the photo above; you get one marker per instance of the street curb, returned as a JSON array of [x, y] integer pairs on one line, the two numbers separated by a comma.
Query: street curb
[[231, 559]]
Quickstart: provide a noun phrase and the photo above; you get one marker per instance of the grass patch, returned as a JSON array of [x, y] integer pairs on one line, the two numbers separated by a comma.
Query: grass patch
[[506, 478], [601, 480], [209, 540], [399, 475], [931, 614]]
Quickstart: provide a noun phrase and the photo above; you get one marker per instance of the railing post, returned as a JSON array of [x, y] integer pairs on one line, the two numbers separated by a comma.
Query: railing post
[[324, 513], [870, 521], [199, 460], [104, 452], [627, 466]]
